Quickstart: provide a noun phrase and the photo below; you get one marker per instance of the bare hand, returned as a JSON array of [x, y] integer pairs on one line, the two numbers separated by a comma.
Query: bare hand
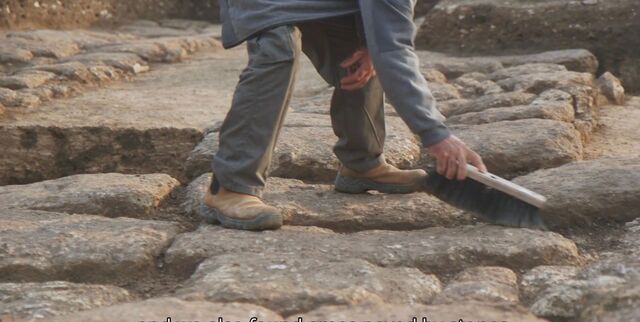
[[452, 156], [359, 70]]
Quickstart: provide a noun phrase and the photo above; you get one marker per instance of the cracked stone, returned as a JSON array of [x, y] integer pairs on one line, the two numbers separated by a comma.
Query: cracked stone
[[39, 246], [159, 309], [319, 205], [35, 301], [467, 311], [581, 193], [432, 250], [298, 157], [455, 107], [111, 194], [481, 284], [612, 88], [512, 148], [540, 278], [26, 79], [288, 283]]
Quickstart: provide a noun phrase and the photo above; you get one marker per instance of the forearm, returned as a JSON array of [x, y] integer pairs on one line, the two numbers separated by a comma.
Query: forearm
[[389, 32]]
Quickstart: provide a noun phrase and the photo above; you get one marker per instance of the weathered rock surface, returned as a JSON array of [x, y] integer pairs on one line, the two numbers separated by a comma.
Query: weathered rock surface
[[111, 195], [542, 277], [28, 79], [319, 205], [453, 67], [307, 151], [577, 60], [585, 192], [446, 312], [288, 283], [431, 250], [41, 246], [481, 284], [605, 290], [160, 309], [509, 148], [36, 301], [561, 111], [473, 85], [66, 150], [612, 88], [487, 26], [455, 107]]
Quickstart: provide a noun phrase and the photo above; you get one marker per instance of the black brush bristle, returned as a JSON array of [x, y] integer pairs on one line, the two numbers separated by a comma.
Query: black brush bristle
[[494, 206]]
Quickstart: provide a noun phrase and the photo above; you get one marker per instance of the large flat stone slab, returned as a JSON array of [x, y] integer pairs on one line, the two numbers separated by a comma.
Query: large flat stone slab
[[431, 250], [321, 206], [511, 148], [111, 194], [289, 283], [462, 106], [586, 192], [42, 246], [465, 311], [36, 301], [306, 152], [160, 309]]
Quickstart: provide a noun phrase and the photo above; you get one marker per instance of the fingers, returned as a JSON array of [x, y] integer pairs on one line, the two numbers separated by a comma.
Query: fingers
[[476, 161], [452, 168], [356, 80], [441, 164], [353, 59], [462, 165]]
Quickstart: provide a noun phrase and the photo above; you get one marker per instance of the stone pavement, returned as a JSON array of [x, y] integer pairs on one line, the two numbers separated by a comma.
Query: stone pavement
[[107, 140]]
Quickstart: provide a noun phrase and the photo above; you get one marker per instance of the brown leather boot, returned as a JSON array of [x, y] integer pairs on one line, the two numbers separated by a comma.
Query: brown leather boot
[[240, 211], [384, 178]]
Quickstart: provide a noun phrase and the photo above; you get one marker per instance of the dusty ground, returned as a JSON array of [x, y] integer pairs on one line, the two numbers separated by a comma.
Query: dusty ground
[[88, 196]]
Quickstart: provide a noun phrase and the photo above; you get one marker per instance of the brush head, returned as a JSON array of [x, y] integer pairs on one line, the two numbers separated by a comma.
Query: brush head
[[494, 206]]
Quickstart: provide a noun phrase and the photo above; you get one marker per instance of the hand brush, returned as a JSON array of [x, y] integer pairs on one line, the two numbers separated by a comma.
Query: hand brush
[[497, 200]]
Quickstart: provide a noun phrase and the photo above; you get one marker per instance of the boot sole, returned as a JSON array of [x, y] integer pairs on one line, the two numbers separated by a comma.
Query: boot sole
[[264, 221], [362, 185]]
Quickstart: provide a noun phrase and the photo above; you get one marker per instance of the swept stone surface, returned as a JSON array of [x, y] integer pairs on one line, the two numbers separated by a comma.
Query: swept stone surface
[[34, 301], [111, 195], [517, 70], [321, 206], [39, 246], [538, 82], [542, 277], [455, 107], [578, 60], [467, 311], [289, 283], [160, 308], [430, 250], [552, 111], [453, 67], [581, 193], [510, 148], [306, 152], [481, 284]]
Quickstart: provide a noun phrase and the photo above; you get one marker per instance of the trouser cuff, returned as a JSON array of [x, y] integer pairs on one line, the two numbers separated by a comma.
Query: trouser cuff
[[366, 165]]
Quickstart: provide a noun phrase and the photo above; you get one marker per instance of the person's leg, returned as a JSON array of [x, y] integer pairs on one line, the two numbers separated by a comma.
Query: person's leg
[[250, 131], [357, 116]]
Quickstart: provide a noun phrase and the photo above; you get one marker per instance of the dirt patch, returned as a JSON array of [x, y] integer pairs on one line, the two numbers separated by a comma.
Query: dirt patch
[[21, 14], [619, 134]]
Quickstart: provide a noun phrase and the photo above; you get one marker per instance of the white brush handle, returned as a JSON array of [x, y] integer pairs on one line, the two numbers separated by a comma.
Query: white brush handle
[[506, 186]]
